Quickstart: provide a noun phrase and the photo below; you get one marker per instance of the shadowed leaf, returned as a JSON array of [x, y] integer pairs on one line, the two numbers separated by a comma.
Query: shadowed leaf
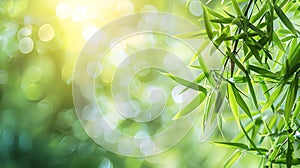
[[285, 20]]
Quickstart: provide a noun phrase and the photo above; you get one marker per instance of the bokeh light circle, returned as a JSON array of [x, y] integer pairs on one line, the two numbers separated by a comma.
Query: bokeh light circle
[[46, 32], [122, 99], [26, 45]]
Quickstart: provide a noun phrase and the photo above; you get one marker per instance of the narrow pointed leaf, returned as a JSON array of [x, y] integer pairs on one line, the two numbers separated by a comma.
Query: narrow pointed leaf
[[191, 106], [236, 7], [262, 72], [272, 98], [259, 14], [233, 104], [249, 139], [223, 20], [251, 89], [254, 51], [285, 20], [186, 83], [278, 42], [237, 62], [241, 101], [207, 23], [297, 109], [232, 145], [233, 158], [291, 97], [205, 69], [214, 13]]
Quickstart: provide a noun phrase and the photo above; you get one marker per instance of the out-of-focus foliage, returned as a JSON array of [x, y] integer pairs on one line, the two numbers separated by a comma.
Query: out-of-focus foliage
[[39, 44], [259, 42]]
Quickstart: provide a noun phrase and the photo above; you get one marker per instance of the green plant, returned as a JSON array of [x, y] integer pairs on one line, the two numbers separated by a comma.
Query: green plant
[[259, 41]]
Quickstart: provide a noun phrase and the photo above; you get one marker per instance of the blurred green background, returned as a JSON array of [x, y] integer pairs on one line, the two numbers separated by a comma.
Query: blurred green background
[[40, 41]]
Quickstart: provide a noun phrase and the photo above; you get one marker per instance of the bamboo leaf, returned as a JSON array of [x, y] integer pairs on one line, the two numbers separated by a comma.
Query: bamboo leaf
[[237, 8], [232, 145], [220, 98], [254, 51], [289, 154], [260, 13], [272, 98], [233, 104], [223, 20], [291, 97], [198, 79], [214, 13], [241, 134], [205, 69], [237, 62], [266, 92], [257, 30], [285, 20], [186, 83], [249, 139], [251, 89], [207, 23], [278, 42], [233, 158], [241, 101], [297, 109], [262, 72], [191, 106]]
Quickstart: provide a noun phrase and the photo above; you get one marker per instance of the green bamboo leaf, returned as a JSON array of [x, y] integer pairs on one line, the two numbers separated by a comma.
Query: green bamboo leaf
[[254, 28], [233, 104], [260, 13], [272, 98], [262, 150], [262, 72], [191, 106], [214, 13], [291, 97], [297, 109], [266, 92], [223, 20], [237, 8], [239, 36], [239, 79], [232, 145], [237, 62], [233, 158], [278, 42], [249, 139], [241, 101], [198, 79], [241, 134], [289, 154], [294, 58], [251, 89], [276, 147], [254, 51], [285, 20], [207, 23], [186, 82], [205, 69], [220, 98]]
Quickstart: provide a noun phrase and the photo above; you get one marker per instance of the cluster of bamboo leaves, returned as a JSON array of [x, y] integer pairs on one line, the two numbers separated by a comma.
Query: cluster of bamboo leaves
[[260, 44]]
